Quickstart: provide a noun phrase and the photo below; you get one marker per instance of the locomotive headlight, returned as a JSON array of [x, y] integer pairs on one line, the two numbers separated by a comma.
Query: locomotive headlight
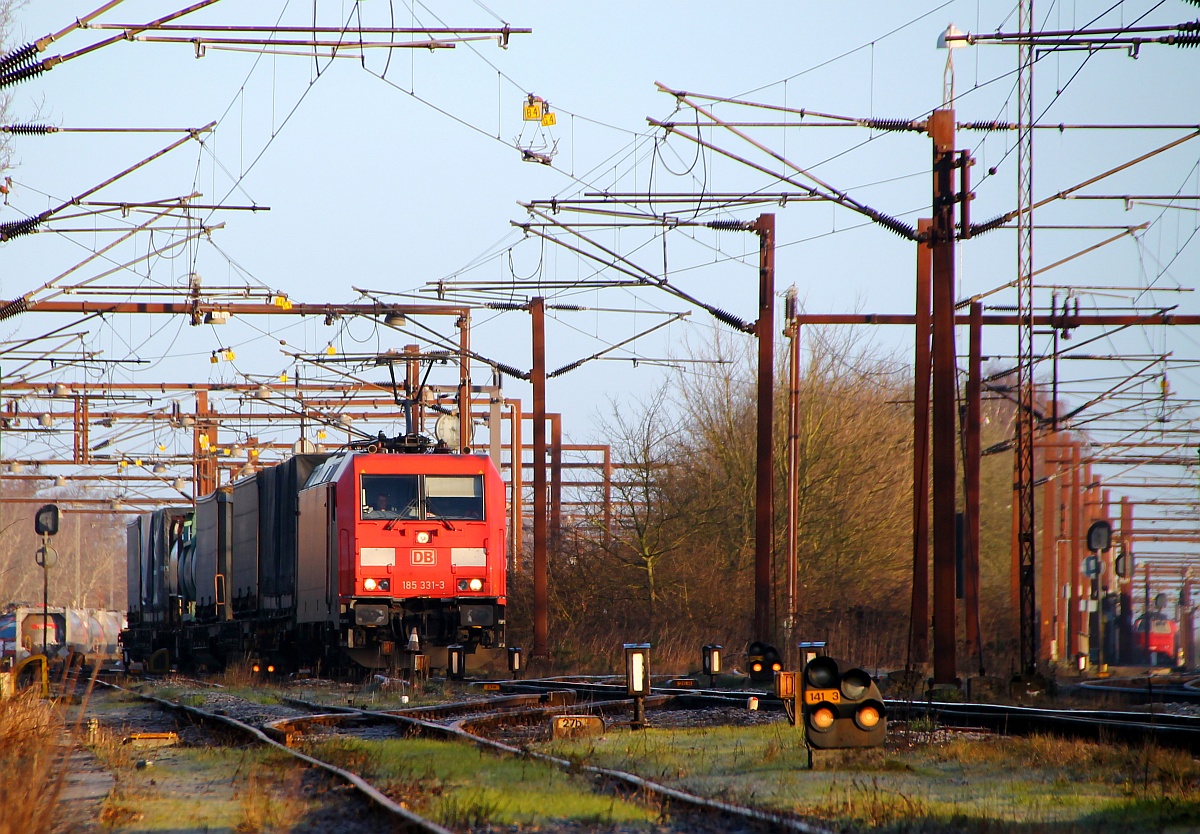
[[422, 537], [470, 584], [384, 585], [476, 584], [370, 584]]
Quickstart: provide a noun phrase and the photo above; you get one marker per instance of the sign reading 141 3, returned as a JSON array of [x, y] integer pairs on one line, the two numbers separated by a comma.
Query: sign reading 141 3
[[816, 696]]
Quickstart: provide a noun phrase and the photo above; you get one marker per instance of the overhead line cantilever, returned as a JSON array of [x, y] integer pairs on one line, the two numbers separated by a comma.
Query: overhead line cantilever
[[20, 227], [573, 365], [835, 195], [643, 276]]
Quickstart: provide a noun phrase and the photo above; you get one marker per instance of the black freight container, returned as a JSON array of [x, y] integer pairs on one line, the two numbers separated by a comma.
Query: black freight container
[[278, 532], [134, 546], [166, 528], [213, 544], [150, 541], [243, 580]]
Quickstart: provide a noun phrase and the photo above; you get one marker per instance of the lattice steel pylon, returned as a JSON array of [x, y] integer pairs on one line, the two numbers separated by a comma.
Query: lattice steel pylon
[[1025, 413]]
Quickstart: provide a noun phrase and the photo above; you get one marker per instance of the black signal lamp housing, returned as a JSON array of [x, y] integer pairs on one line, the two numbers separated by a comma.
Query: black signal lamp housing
[[842, 706]]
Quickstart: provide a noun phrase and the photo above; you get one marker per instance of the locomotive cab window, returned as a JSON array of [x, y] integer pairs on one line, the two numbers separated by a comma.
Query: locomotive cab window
[[390, 496], [454, 497]]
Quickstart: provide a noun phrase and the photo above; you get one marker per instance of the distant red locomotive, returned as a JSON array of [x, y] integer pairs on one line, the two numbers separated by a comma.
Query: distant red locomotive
[[327, 560], [1158, 643]]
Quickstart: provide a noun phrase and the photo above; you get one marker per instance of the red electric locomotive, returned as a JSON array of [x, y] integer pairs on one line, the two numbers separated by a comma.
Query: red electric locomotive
[[366, 556], [1157, 644], [418, 545]]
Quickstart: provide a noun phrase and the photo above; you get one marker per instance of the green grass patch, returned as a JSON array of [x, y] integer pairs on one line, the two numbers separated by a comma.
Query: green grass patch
[[460, 785], [203, 789], [993, 784]]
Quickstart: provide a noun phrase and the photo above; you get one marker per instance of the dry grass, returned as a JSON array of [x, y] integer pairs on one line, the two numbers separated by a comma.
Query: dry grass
[[110, 748], [240, 674], [1145, 770], [271, 800], [30, 764]]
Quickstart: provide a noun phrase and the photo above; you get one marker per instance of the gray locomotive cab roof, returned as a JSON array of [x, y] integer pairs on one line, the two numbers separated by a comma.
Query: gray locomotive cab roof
[[328, 471]]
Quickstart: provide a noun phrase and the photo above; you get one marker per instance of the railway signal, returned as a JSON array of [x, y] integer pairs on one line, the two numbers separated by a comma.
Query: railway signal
[[1099, 539], [764, 662], [710, 662], [637, 679], [45, 524], [842, 706]]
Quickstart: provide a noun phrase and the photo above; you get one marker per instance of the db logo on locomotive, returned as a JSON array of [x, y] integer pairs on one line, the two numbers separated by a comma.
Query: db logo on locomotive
[[424, 556]]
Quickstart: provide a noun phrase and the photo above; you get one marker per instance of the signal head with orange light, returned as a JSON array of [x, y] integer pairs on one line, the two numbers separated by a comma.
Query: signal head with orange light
[[764, 661], [842, 706]]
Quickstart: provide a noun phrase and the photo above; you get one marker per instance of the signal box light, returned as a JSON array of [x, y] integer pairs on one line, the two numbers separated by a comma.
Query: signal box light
[[710, 660], [456, 660], [785, 685], [637, 669]]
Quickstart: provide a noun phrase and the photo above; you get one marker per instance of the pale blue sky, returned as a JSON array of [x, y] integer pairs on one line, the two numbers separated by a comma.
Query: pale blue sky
[[391, 176]]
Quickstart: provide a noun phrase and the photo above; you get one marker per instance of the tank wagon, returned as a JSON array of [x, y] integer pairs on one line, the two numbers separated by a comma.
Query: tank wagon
[[91, 633], [326, 561]]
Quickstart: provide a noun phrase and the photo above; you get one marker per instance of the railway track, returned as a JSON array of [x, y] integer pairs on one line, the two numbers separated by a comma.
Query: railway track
[[467, 721], [1146, 689], [515, 720], [1170, 729], [406, 818]]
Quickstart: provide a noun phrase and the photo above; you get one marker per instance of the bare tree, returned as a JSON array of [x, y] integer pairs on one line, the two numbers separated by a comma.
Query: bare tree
[[649, 526], [8, 10]]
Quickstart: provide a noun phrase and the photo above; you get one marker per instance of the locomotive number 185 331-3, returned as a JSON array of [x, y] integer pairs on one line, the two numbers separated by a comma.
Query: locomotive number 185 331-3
[[423, 585]]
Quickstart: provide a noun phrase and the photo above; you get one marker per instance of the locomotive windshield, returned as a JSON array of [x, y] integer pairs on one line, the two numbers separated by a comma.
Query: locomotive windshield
[[391, 496], [456, 497]]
